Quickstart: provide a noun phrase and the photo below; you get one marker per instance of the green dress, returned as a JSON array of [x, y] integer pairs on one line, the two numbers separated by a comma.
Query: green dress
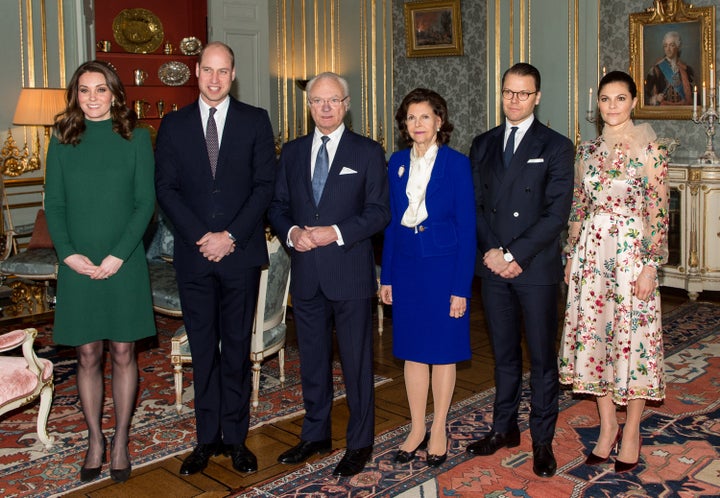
[[99, 198]]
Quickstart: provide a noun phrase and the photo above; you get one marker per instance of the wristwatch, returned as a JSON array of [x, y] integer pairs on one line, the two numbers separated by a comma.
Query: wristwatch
[[230, 236], [507, 256]]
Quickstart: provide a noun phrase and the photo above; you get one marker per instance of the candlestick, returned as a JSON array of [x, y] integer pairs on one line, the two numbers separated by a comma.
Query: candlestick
[[708, 119]]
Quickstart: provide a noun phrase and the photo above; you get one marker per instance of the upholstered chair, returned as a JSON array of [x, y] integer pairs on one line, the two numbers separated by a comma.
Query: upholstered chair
[[24, 378], [269, 329]]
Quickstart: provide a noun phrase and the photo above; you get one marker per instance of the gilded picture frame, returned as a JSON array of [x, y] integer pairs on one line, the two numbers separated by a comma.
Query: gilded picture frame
[[672, 48], [433, 28]]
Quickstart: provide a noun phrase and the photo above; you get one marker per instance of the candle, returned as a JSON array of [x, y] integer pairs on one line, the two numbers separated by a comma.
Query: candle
[[704, 102], [590, 101], [712, 78], [603, 70], [695, 101]]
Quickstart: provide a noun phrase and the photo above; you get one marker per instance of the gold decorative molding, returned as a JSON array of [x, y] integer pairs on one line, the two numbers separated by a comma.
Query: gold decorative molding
[[13, 162]]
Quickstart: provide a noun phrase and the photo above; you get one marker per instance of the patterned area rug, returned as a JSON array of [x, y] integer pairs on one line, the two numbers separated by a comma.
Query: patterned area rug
[[158, 431], [680, 452]]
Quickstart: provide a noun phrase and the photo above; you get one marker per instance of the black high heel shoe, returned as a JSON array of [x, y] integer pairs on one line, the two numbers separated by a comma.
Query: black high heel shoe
[[403, 456], [594, 459], [437, 460], [91, 473], [120, 475], [621, 466]]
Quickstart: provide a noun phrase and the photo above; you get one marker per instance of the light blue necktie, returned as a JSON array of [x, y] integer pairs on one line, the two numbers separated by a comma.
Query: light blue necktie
[[322, 166], [509, 147]]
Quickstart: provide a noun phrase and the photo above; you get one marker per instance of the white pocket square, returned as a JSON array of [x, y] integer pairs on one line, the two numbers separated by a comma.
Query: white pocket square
[[347, 171], [536, 160]]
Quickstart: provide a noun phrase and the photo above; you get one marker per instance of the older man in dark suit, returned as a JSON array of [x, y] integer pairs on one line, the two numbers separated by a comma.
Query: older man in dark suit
[[331, 196], [523, 176], [215, 170]]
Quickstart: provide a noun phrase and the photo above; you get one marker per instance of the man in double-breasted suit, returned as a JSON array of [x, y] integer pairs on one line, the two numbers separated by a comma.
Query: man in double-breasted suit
[[523, 176], [215, 170], [331, 196]]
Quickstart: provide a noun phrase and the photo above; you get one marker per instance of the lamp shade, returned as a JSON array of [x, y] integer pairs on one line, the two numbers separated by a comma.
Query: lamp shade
[[39, 106]]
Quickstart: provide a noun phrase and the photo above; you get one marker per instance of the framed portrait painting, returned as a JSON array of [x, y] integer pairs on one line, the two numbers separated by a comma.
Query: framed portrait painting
[[672, 51], [433, 28]]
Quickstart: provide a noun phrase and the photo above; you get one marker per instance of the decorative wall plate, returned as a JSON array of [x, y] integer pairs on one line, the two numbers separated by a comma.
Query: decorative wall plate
[[174, 73], [138, 30], [190, 46]]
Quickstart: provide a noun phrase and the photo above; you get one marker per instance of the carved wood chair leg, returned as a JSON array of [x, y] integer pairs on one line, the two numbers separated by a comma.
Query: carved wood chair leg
[[178, 387], [255, 398], [46, 395], [281, 364]]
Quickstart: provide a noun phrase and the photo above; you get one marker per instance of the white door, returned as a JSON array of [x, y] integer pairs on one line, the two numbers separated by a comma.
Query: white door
[[244, 26]]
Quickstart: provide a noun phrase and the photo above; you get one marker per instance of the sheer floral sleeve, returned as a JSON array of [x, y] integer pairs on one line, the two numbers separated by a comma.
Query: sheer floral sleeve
[[655, 210], [580, 203]]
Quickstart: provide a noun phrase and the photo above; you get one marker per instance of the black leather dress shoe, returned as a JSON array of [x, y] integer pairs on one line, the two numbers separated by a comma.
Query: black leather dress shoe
[[353, 462], [544, 463], [243, 459], [494, 441], [304, 450], [199, 458]]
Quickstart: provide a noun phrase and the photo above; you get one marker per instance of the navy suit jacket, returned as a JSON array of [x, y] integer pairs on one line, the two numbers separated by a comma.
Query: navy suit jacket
[[355, 198], [525, 207], [235, 200], [450, 225]]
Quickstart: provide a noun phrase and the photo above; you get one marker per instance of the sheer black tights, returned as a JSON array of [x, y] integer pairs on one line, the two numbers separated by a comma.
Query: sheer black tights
[[91, 390]]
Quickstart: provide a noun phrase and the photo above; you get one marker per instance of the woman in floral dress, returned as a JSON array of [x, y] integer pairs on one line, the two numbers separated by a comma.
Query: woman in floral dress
[[612, 339]]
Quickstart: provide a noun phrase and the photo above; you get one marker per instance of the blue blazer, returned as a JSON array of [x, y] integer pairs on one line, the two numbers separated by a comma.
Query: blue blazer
[[355, 198], [235, 200], [525, 207], [450, 226]]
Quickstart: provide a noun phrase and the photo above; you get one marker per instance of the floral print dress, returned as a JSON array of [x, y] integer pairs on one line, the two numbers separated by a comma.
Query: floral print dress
[[612, 341]]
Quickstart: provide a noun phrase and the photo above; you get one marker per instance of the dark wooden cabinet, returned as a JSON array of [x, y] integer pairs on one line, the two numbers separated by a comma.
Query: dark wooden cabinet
[[180, 19]]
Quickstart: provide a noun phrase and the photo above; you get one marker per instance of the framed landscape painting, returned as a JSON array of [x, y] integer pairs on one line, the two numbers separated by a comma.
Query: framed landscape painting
[[433, 28]]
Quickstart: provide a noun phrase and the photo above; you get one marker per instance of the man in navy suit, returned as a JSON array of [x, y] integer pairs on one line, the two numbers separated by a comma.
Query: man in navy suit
[[215, 170], [523, 176], [331, 196]]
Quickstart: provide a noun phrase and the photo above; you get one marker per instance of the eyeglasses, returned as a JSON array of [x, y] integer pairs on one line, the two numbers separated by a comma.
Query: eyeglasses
[[333, 102], [522, 95]]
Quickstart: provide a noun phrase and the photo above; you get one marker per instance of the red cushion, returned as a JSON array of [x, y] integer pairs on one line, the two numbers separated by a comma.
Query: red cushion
[[41, 236]]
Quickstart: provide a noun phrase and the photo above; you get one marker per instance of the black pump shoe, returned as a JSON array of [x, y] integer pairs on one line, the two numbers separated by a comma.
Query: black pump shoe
[[121, 475], [91, 473], [436, 460], [403, 456]]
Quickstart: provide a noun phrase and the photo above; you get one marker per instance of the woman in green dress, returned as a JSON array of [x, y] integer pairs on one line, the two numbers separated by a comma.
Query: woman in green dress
[[99, 198]]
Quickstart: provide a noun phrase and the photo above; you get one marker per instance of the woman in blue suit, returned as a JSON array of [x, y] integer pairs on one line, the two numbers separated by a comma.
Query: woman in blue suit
[[427, 265]]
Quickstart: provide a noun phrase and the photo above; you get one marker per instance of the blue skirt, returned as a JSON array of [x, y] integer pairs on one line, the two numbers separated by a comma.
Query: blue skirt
[[423, 330]]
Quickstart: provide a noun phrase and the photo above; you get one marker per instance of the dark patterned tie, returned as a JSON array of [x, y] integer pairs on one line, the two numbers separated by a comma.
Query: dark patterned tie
[[211, 139], [509, 147], [322, 165]]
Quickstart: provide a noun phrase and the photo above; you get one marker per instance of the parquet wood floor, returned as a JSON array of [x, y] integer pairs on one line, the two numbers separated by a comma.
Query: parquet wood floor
[[267, 442]]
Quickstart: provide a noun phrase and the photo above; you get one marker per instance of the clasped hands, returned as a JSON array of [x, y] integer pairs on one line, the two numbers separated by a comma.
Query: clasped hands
[[81, 264], [308, 238], [458, 305], [494, 260], [214, 246]]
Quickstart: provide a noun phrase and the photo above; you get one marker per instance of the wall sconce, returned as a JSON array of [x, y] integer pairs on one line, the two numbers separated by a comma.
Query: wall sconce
[[35, 107]]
